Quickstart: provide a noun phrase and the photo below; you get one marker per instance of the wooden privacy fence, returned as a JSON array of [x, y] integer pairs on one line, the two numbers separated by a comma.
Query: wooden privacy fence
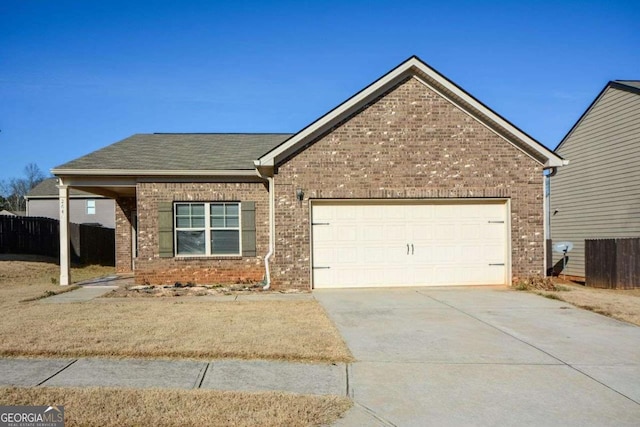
[[612, 263], [29, 235], [41, 236]]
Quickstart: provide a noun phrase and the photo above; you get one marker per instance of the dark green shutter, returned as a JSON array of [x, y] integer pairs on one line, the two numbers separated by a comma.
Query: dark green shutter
[[248, 228], [165, 229]]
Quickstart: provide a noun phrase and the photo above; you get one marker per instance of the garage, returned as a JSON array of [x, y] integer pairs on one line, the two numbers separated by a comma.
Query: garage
[[409, 243]]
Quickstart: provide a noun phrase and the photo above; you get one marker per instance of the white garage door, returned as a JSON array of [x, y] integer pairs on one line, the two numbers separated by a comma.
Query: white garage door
[[408, 244]]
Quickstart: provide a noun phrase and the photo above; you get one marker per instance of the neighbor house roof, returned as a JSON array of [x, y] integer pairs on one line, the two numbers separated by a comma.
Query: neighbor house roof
[[177, 152], [631, 86], [48, 189], [413, 67]]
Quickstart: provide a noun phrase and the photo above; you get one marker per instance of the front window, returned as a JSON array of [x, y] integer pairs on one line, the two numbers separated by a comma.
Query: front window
[[207, 228]]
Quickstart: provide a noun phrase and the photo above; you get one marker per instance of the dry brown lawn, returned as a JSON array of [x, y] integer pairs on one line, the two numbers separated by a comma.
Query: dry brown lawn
[[112, 407], [189, 327], [29, 277], [619, 304]]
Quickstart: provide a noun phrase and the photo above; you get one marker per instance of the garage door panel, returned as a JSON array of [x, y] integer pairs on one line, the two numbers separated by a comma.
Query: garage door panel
[[390, 232], [323, 234], [409, 244], [494, 253], [346, 233]]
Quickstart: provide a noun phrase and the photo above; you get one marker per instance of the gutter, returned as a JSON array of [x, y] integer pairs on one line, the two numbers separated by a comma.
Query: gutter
[[152, 172], [553, 170]]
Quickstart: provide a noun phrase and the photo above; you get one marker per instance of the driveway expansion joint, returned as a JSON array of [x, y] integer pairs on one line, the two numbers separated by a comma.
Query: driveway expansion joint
[[374, 415], [57, 372], [537, 348], [603, 384], [203, 373], [347, 368]]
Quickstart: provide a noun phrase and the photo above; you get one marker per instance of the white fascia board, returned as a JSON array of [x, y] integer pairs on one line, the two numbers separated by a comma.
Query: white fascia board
[[136, 173], [384, 82], [449, 86], [336, 113]]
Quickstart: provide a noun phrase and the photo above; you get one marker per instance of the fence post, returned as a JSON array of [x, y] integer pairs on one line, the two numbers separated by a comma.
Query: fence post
[[65, 259]]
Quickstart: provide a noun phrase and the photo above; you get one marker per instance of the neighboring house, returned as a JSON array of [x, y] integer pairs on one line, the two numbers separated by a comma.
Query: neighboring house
[[410, 182], [5, 212], [85, 208], [598, 194]]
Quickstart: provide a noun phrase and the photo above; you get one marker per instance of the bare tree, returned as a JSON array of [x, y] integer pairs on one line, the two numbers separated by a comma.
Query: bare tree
[[33, 175], [15, 189]]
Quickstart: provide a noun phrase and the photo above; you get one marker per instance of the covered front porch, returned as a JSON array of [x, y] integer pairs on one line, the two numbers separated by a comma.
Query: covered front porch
[[123, 191]]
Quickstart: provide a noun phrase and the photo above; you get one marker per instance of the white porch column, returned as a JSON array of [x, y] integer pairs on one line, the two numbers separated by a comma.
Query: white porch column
[[65, 259]]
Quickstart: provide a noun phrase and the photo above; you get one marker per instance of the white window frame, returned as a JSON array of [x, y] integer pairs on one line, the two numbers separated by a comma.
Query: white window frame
[[91, 206], [207, 229]]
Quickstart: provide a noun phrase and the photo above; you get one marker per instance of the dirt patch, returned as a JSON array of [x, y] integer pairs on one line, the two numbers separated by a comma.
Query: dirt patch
[[114, 407], [620, 304], [535, 283], [184, 290]]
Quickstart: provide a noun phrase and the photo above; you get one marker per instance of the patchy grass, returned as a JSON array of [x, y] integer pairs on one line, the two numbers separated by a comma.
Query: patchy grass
[[620, 304], [31, 277], [114, 407], [185, 327]]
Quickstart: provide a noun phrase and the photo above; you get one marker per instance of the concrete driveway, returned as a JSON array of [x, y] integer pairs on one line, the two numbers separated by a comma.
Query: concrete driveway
[[478, 356]]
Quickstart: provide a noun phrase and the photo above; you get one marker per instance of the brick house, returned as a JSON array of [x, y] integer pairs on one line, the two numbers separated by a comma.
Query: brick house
[[410, 182]]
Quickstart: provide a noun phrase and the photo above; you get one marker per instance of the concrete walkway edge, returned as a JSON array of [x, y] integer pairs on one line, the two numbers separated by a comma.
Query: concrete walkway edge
[[228, 375]]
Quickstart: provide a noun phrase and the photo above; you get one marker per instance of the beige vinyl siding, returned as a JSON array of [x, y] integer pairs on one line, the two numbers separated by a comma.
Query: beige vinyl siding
[[598, 194]]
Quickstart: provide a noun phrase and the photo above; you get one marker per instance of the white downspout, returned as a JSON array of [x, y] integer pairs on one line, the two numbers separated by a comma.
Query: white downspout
[[272, 232]]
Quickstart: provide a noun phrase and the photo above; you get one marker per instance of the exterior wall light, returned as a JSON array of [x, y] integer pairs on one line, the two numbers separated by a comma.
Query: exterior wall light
[[300, 194]]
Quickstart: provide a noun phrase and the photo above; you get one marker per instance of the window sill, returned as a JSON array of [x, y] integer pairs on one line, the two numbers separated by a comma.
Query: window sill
[[207, 257]]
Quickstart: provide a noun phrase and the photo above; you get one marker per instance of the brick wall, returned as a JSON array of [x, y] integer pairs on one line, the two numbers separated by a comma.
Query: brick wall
[[124, 207], [150, 268], [410, 143]]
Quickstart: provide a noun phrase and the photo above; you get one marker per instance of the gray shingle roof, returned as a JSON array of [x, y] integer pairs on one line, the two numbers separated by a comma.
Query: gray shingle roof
[[215, 151], [48, 188]]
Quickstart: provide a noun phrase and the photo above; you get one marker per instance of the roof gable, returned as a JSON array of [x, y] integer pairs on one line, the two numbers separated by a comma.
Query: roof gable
[[631, 86], [413, 67]]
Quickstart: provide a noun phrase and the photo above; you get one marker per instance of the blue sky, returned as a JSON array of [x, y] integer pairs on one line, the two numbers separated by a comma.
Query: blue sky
[[78, 75]]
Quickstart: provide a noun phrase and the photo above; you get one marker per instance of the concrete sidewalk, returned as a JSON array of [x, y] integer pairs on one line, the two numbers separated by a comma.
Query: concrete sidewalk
[[232, 375]]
